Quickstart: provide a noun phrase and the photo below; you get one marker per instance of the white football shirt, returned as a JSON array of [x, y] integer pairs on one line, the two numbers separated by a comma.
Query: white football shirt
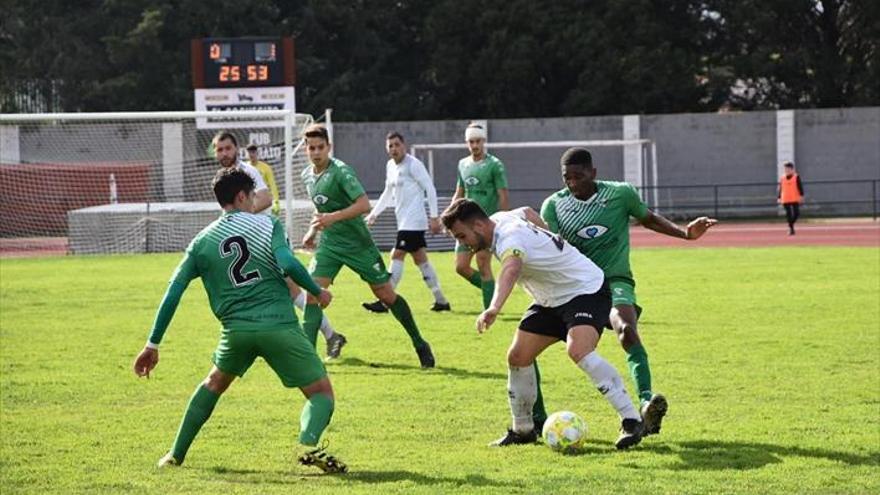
[[407, 184], [553, 271], [260, 184]]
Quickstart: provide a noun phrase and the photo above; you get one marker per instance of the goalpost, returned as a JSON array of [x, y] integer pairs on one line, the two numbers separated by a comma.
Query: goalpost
[[133, 182], [639, 157]]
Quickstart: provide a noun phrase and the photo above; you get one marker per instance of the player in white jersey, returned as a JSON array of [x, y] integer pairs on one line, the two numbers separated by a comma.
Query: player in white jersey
[[226, 153], [571, 304], [407, 184]]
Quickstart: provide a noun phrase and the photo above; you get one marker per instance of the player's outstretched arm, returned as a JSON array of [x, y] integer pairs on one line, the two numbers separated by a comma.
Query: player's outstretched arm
[[531, 216], [693, 231], [296, 271], [511, 266], [503, 199], [148, 358]]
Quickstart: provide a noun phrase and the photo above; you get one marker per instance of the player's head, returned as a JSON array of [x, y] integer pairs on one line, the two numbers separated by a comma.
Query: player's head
[[234, 188], [318, 144], [578, 173], [252, 152], [475, 136], [395, 146], [468, 223], [225, 148], [788, 167]]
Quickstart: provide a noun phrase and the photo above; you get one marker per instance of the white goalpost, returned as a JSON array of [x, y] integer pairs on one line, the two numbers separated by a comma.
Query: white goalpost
[[639, 157], [133, 182]]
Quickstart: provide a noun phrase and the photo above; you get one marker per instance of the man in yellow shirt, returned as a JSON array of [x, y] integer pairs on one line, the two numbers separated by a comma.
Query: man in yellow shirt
[[268, 176]]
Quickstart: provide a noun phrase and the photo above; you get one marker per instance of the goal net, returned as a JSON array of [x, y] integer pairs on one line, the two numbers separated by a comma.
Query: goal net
[[131, 182]]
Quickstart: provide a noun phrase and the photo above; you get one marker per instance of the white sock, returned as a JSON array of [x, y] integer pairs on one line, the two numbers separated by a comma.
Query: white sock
[[396, 272], [326, 329], [522, 392], [609, 382], [430, 278]]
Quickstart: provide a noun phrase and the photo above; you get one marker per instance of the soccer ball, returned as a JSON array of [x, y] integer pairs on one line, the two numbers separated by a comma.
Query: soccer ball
[[565, 431]]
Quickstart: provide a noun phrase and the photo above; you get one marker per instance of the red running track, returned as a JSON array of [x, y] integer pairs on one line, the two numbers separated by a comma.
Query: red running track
[[738, 234]]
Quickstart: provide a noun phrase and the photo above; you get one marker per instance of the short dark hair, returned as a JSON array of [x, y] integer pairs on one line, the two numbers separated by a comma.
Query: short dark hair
[[576, 156], [395, 135], [228, 182], [788, 165], [251, 147], [317, 131], [462, 210], [224, 135]]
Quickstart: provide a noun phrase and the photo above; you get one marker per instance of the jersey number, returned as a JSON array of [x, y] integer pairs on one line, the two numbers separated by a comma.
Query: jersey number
[[236, 246], [556, 238]]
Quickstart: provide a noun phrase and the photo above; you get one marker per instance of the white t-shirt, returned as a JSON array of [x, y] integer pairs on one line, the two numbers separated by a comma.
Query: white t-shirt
[[258, 180], [406, 184], [553, 271]]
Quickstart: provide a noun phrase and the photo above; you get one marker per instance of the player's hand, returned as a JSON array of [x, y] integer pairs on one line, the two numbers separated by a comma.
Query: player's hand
[[309, 239], [434, 225], [486, 319], [323, 220], [698, 227], [146, 361], [325, 298], [370, 220]]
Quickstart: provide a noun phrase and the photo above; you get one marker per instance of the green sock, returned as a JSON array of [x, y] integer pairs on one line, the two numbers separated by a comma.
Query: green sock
[[400, 310], [488, 292], [201, 404], [637, 360], [539, 414], [312, 316], [315, 417], [475, 280]]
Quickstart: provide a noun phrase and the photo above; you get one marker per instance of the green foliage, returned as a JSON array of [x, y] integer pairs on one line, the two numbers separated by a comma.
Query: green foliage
[[768, 357]]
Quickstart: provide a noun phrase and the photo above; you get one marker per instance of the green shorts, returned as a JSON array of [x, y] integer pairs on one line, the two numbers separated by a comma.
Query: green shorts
[[366, 262], [287, 351], [623, 291]]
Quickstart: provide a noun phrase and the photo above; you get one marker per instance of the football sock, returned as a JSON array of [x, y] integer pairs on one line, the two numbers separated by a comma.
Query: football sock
[[315, 417], [326, 329], [396, 272], [488, 291], [400, 310], [475, 280], [637, 360], [312, 317], [539, 414], [609, 382], [200, 407], [430, 278], [522, 391]]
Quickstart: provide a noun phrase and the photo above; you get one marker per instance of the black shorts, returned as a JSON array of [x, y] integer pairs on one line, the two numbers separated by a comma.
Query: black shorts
[[410, 240], [586, 309]]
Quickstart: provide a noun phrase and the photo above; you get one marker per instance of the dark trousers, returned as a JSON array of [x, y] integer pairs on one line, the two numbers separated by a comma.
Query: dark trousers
[[792, 212]]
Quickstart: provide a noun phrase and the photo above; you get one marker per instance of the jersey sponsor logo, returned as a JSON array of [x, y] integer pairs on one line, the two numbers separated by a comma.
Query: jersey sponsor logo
[[472, 181], [592, 231], [583, 315], [377, 267], [320, 199]]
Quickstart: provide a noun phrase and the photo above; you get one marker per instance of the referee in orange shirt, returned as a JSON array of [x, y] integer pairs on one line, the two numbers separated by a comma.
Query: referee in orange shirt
[[790, 195]]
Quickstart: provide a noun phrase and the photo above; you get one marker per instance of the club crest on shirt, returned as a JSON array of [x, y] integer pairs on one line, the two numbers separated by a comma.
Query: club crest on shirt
[[592, 231], [472, 181], [320, 199]]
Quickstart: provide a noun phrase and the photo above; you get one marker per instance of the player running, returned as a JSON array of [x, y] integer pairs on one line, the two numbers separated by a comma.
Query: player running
[[407, 183], [340, 202], [481, 178], [571, 304], [242, 259], [593, 216]]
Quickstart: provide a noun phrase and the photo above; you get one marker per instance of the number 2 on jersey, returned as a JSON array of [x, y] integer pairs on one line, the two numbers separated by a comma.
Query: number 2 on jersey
[[237, 246]]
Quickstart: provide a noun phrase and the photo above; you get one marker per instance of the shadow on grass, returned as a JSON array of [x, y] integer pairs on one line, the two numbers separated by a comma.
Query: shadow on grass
[[447, 370], [714, 455], [373, 477]]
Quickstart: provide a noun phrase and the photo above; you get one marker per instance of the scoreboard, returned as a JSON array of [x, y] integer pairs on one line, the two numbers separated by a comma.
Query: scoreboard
[[242, 62]]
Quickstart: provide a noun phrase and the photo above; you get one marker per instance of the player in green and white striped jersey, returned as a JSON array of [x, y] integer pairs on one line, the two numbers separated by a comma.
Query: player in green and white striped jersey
[[242, 259], [593, 216]]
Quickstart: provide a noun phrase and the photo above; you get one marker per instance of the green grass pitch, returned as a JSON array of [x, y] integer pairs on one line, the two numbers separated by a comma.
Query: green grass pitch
[[770, 359]]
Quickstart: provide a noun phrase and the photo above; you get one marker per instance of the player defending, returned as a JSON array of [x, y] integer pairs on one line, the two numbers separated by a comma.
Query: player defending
[[340, 202], [571, 304], [242, 259], [593, 216], [406, 185], [226, 152], [481, 178]]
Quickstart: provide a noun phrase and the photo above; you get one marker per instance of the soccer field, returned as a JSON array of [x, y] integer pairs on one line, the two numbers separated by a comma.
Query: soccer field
[[770, 359]]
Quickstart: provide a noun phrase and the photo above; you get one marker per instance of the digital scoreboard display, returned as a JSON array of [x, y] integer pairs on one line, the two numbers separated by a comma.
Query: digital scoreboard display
[[242, 62]]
